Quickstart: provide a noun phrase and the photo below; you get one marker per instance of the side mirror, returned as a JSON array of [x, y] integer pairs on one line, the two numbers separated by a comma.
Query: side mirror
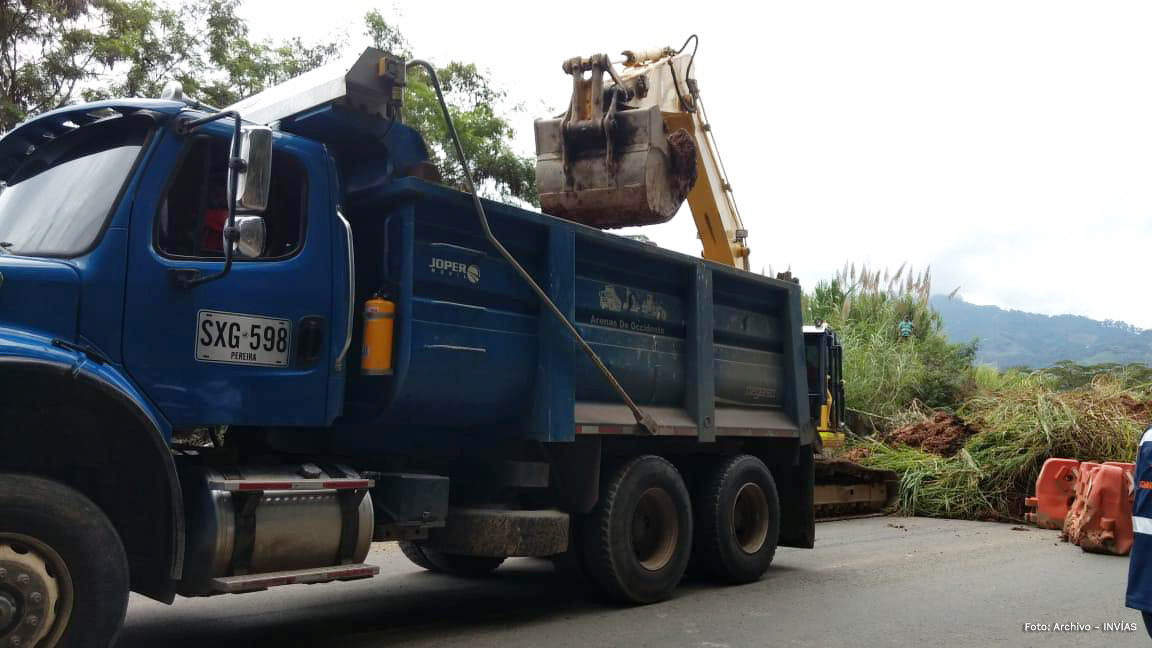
[[252, 184], [253, 237]]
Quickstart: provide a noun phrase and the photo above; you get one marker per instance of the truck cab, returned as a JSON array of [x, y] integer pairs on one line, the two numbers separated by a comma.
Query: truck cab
[[115, 210]]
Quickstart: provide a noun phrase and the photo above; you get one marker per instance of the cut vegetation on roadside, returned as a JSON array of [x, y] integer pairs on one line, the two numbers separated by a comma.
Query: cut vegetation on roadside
[[966, 441]]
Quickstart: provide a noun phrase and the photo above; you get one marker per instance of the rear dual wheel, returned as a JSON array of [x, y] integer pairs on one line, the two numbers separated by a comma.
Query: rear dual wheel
[[737, 521], [636, 544], [637, 541]]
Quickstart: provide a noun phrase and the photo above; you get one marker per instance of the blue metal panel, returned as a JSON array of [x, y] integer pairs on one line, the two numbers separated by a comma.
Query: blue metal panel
[[700, 401], [476, 355], [39, 295], [101, 315], [554, 396], [370, 151], [342, 310], [794, 368]]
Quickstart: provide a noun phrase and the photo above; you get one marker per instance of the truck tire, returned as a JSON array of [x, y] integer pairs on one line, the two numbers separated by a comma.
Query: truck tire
[[66, 582], [638, 539], [461, 565], [413, 552], [737, 521]]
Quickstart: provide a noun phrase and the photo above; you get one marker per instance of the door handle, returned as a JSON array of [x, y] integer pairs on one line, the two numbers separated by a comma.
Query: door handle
[[310, 341], [183, 277]]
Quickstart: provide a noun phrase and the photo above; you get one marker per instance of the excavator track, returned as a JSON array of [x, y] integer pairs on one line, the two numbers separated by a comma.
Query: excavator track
[[845, 489]]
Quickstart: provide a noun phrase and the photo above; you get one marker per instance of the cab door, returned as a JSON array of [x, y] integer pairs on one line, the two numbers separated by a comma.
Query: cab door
[[251, 348]]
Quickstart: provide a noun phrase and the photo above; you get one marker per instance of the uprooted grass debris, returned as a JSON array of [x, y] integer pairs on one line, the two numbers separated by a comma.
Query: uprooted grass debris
[[1011, 430]]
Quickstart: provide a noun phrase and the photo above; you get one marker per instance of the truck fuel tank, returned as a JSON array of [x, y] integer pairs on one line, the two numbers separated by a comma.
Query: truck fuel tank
[[293, 519]]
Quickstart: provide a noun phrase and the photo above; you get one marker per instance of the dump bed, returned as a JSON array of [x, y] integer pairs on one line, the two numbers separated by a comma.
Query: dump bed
[[708, 351]]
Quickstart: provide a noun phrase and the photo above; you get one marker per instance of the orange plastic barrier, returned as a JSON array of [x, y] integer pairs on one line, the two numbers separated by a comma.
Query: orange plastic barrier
[[1055, 493], [1128, 466], [1105, 525], [1075, 512]]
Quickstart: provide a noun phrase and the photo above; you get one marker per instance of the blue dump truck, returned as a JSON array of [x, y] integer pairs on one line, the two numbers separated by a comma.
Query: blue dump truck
[[238, 347]]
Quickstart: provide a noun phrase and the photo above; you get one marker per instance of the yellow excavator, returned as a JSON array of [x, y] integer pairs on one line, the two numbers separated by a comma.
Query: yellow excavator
[[634, 144]]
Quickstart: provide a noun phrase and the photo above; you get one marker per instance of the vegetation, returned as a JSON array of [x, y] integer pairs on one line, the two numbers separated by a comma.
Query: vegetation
[[57, 52], [1022, 417], [885, 372], [1023, 422]]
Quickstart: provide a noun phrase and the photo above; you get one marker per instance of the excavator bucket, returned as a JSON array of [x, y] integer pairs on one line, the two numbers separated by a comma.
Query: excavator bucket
[[605, 165]]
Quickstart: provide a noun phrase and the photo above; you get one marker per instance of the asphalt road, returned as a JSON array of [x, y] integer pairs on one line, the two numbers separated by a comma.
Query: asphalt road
[[869, 582]]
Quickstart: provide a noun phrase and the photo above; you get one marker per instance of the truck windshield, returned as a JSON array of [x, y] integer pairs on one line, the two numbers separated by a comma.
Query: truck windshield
[[56, 202]]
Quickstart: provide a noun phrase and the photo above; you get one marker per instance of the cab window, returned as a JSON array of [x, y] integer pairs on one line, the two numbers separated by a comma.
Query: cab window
[[56, 203], [194, 211]]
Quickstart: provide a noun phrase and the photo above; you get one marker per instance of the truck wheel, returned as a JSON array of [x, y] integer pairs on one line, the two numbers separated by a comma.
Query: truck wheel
[[63, 571], [461, 565], [413, 552], [638, 539], [737, 521]]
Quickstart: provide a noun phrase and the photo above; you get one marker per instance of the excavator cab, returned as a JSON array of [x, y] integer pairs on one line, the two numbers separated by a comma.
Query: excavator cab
[[824, 360]]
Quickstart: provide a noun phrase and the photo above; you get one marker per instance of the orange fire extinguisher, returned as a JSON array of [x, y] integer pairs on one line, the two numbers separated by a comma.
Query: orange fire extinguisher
[[379, 320]]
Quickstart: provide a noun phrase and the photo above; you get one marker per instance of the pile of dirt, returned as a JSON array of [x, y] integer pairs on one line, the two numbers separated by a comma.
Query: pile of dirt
[[942, 434], [856, 454], [1139, 411]]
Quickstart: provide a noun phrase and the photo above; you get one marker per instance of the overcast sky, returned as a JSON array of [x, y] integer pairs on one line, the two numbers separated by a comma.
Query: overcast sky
[[1006, 143]]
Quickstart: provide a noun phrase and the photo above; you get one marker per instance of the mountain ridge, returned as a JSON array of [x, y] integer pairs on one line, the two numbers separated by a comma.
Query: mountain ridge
[[1013, 338]]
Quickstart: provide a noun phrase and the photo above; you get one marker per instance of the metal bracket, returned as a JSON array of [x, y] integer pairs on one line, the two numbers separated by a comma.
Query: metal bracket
[[244, 505], [586, 115]]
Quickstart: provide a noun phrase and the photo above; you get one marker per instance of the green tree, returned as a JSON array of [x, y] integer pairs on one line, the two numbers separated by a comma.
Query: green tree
[[204, 45], [57, 51], [47, 48], [473, 100]]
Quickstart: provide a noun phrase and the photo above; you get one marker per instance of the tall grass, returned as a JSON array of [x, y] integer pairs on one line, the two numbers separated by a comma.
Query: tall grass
[[883, 371]]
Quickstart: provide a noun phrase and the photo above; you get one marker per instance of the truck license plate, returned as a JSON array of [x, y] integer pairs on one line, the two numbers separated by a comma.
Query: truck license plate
[[242, 339]]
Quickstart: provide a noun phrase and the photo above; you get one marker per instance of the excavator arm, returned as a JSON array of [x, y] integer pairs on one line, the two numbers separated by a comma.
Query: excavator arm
[[677, 94]]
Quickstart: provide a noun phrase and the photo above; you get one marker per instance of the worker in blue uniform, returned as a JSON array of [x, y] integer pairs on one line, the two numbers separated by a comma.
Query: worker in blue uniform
[[1140, 560]]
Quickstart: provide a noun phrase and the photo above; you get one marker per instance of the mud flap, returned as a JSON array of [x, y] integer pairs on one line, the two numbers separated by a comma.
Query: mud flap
[[797, 512]]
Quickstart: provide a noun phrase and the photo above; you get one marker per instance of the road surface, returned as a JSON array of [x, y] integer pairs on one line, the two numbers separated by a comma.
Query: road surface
[[870, 582]]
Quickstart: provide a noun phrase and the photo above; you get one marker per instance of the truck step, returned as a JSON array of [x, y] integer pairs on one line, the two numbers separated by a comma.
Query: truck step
[[234, 485], [254, 582]]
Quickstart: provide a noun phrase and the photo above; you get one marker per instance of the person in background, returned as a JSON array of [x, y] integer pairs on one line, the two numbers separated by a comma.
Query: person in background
[[1140, 560], [215, 218], [905, 327]]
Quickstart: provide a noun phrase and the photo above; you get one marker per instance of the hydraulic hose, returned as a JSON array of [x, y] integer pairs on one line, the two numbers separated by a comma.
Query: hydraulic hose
[[643, 419]]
